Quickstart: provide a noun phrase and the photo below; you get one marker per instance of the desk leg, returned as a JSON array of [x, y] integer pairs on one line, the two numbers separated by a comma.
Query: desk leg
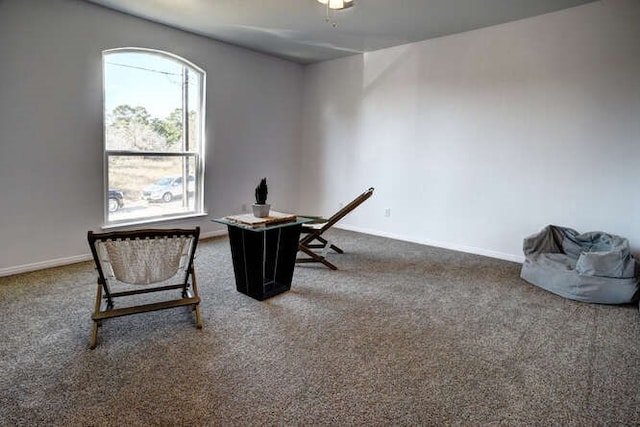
[[281, 266], [263, 262], [247, 254]]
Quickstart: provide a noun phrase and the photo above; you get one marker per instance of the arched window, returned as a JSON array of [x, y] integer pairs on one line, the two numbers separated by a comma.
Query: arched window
[[153, 136]]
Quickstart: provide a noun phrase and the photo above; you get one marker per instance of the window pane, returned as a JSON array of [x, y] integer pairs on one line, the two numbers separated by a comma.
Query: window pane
[[151, 186], [144, 96]]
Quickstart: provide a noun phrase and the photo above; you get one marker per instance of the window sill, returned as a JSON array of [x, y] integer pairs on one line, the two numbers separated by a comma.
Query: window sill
[[162, 220]]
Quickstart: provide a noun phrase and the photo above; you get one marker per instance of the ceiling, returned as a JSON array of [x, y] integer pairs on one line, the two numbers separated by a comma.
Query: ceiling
[[297, 30]]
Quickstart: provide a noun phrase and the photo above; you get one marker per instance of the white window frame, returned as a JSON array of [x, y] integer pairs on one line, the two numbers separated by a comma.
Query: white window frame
[[198, 155]]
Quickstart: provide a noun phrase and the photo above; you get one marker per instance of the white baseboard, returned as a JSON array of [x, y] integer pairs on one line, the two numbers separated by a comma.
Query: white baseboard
[[25, 268], [444, 245], [58, 262]]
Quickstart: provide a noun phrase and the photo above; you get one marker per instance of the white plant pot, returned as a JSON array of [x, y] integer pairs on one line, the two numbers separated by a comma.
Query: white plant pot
[[261, 211]]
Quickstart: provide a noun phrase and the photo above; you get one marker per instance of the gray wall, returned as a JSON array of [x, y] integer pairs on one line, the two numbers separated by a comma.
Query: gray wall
[[472, 141], [51, 179], [476, 140]]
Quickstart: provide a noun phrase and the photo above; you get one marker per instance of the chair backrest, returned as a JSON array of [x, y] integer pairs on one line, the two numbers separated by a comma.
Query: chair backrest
[[144, 257], [347, 209]]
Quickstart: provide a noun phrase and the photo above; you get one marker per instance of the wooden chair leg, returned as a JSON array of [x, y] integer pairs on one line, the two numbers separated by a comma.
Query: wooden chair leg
[[198, 317], [94, 336], [315, 258], [331, 245], [195, 293], [94, 330], [337, 249]]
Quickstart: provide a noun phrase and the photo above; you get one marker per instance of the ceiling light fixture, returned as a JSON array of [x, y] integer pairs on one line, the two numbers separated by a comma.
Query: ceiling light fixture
[[337, 4], [333, 5]]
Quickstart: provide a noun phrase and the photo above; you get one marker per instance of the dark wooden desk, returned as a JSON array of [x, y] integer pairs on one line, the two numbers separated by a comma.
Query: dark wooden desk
[[264, 257]]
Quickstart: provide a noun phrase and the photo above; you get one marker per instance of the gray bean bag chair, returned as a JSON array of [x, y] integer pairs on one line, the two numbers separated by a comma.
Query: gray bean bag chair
[[591, 267]]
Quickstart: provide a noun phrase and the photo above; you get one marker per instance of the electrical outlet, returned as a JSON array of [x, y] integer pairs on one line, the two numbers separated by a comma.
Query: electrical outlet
[[387, 212], [244, 207]]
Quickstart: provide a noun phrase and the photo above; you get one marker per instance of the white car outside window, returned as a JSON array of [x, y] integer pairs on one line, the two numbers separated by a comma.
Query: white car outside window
[[168, 188]]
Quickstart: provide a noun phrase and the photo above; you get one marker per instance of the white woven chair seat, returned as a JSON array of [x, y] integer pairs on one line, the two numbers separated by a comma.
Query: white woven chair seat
[[144, 261]]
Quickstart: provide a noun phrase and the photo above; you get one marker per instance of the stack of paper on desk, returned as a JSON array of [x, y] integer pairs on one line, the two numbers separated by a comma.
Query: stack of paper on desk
[[253, 221]]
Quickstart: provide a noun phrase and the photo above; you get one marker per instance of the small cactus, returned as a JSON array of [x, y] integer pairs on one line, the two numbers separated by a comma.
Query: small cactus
[[261, 192]]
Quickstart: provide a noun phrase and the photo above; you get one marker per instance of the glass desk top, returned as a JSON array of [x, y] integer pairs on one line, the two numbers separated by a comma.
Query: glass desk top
[[263, 227]]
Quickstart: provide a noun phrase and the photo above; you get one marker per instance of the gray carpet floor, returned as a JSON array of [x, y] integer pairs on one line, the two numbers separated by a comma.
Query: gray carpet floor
[[402, 334]]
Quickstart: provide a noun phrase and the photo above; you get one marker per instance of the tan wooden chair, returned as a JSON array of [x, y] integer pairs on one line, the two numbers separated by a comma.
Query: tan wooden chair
[[143, 261], [313, 244]]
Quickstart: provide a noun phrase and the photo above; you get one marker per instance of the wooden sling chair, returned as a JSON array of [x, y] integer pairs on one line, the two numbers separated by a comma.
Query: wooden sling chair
[[143, 261], [311, 233]]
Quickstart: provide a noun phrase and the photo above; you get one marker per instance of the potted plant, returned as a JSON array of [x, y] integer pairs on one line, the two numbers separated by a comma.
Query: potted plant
[[261, 207]]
